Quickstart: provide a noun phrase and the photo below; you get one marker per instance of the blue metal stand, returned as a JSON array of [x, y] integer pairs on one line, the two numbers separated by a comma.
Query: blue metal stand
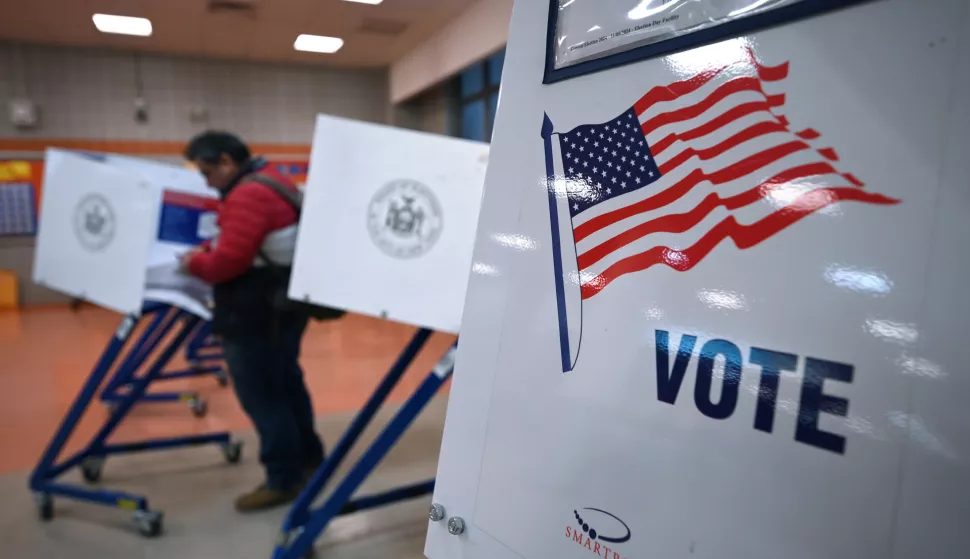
[[43, 480], [304, 524], [198, 352]]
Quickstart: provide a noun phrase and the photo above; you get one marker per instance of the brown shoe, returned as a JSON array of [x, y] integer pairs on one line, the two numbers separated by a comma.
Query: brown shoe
[[263, 498]]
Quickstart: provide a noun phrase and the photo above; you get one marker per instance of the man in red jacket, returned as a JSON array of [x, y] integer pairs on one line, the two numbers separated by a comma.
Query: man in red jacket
[[247, 264]]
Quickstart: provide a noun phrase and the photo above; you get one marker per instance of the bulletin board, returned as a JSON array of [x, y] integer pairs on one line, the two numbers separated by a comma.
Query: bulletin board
[[19, 195]]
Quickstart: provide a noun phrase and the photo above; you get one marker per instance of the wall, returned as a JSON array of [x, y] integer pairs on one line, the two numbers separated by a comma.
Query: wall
[[480, 31], [90, 94], [429, 111], [87, 98]]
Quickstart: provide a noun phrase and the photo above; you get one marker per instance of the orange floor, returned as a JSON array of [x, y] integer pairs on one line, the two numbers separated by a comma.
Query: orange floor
[[46, 354]]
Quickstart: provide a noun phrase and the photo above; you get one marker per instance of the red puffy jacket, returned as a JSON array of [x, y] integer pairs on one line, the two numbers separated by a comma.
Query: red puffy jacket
[[249, 213]]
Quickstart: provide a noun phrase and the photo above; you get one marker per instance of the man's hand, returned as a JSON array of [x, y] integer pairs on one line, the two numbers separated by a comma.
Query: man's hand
[[186, 258]]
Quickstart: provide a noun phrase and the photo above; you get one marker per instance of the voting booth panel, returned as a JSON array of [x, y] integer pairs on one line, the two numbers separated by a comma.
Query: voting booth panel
[[113, 227], [187, 218], [96, 230], [740, 298], [388, 223]]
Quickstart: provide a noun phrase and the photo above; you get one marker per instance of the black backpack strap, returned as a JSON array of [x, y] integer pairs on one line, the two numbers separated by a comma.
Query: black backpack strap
[[292, 198]]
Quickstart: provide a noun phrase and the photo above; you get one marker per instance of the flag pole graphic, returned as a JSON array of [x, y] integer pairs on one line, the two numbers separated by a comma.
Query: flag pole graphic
[[566, 353]]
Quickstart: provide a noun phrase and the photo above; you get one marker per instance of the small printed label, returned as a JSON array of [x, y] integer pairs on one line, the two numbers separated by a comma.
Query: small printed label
[[127, 504], [207, 228], [446, 364], [125, 328]]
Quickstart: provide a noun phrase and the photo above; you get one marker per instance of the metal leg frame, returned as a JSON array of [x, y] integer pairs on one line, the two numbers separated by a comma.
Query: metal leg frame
[[91, 459], [203, 340], [304, 525], [162, 322], [205, 357], [165, 319]]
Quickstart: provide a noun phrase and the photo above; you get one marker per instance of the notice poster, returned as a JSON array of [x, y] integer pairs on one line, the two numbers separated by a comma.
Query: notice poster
[[589, 29]]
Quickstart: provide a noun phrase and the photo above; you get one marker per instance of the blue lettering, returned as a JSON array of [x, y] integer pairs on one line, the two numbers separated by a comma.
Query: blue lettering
[[772, 364], [814, 402], [731, 379], [669, 381]]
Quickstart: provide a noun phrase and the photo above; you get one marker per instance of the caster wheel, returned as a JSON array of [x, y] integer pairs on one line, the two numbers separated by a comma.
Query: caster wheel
[[199, 407], [149, 523], [232, 451], [287, 539], [91, 469], [45, 506]]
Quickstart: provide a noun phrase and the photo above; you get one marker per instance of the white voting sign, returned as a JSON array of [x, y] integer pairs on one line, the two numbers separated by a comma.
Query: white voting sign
[[97, 226], [733, 327], [112, 228], [389, 222]]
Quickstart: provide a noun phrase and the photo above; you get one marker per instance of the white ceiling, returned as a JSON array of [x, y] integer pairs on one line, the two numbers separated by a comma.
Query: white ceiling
[[190, 27]]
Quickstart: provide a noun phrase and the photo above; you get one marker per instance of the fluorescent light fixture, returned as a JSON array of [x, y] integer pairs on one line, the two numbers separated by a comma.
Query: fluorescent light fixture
[[318, 43], [371, 2], [123, 25]]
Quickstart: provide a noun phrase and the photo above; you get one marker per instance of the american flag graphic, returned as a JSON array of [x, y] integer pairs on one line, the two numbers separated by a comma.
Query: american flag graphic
[[691, 164], [181, 217]]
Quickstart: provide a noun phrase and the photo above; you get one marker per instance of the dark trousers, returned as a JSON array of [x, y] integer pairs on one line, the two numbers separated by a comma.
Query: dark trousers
[[269, 383]]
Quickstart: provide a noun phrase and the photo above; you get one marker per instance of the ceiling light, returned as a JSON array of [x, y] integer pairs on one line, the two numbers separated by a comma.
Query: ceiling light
[[318, 43], [123, 25], [372, 2]]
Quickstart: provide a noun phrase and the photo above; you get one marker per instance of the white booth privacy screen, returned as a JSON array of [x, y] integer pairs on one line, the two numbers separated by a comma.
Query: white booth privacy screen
[[97, 226], [112, 228], [389, 222]]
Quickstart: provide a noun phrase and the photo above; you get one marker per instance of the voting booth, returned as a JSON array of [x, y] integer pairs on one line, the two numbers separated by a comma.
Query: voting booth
[[387, 230], [114, 226], [718, 291], [111, 231]]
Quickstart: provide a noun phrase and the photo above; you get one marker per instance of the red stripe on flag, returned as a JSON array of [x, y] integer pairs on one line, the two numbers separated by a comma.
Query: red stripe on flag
[[190, 201], [744, 236], [808, 134], [692, 111], [660, 94], [746, 135], [768, 73], [732, 172], [714, 125], [680, 223], [852, 178], [829, 153]]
